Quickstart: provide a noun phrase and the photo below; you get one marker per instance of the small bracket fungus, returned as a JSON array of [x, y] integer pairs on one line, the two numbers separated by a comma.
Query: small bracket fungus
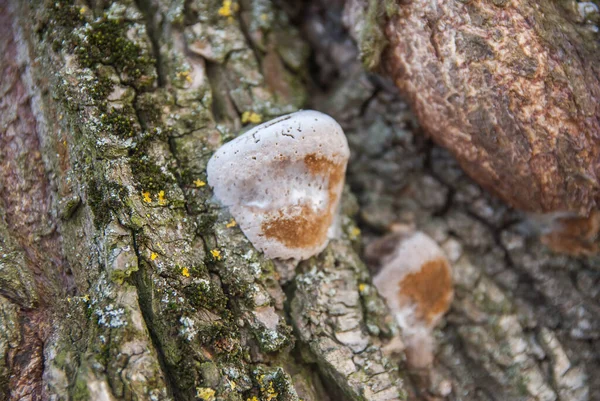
[[416, 282], [282, 182]]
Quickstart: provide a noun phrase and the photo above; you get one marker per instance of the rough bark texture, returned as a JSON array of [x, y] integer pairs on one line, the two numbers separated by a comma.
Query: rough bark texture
[[511, 88], [120, 278], [523, 325]]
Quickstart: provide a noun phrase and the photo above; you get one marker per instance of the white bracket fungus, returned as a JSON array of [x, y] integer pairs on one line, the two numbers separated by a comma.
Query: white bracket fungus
[[282, 182], [416, 281]]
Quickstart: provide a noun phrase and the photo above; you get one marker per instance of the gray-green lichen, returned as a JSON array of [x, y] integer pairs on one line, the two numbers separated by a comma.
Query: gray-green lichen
[[9, 340], [171, 300], [328, 313], [365, 19], [16, 279]]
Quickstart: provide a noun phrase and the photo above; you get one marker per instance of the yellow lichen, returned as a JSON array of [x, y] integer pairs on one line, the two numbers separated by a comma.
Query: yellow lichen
[[362, 287], [227, 9], [271, 393], [185, 75], [185, 272], [161, 198], [255, 398], [231, 383], [205, 393], [153, 256], [264, 17], [232, 223], [251, 117], [216, 254], [354, 233], [147, 197], [199, 183], [82, 10]]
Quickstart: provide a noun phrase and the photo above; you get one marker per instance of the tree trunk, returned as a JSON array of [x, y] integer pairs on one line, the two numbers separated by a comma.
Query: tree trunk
[[121, 278]]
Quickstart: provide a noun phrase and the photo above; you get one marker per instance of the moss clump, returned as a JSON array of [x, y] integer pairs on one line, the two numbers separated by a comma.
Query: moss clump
[[106, 43], [120, 122], [148, 111], [149, 175], [80, 390], [104, 197], [198, 270], [65, 15], [101, 88], [205, 220], [372, 40], [226, 343], [120, 276], [207, 296]]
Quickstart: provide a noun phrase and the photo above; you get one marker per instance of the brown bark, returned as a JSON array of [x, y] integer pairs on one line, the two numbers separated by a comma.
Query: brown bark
[[511, 89]]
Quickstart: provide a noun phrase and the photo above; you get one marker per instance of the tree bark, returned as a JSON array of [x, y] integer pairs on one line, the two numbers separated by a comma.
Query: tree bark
[[121, 278]]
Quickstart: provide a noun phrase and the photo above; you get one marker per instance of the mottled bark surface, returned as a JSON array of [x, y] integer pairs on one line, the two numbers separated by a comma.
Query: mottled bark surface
[[511, 88], [120, 278], [524, 323]]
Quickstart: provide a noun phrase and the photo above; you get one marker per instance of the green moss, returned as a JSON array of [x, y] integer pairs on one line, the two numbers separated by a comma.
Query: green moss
[[102, 354], [149, 175], [148, 111], [205, 220], [104, 197], [210, 374], [199, 271], [516, 375], [492, 306], [80, 390], [107, 43], [137, 221], [101, 88], [227, 347], [63, 15], [69, 206], [120, 276], [372, 39], [61, 358], [207, 296], [120, 122], [391, 8]]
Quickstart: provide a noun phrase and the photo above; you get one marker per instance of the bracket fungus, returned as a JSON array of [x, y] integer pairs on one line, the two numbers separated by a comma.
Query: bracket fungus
[[415, 279], [282, 182]]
